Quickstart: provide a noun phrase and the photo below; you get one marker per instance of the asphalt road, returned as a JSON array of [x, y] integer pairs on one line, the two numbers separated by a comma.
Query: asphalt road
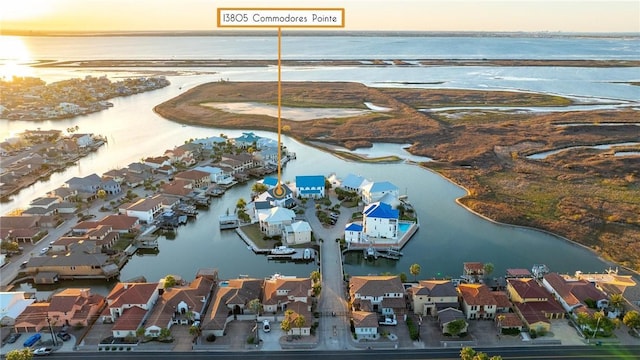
[[522, 353]]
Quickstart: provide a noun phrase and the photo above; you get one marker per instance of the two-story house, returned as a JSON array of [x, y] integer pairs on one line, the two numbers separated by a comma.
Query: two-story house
[[198, 179], [533, 304], [430, 296], [374, 191], [310, 186], [274, 220], [128, 305], [74, 307], [380, 220], [231, 298], [280, 291], [380, 294], [573, 293], [477, 301]]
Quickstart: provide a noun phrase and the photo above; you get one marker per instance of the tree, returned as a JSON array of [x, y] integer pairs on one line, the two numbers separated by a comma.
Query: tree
[[255, 306], [169, 281], [165, 333], [315, 276], [617, 301], [241, 204], [632, 319], [583, 319], [468, 353], [140, 332], [299, 322], [488, 269], [259, 188], [414, 269], [101, 194], [20, 354], [194, 330], [455, 327], [286, 324]]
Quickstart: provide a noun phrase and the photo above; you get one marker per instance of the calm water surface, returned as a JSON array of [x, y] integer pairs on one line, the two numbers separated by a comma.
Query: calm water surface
[[449, 234]]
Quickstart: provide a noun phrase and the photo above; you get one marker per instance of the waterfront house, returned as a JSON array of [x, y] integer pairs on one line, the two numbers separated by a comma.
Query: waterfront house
[[365, 324], [216, 175], [33, 319], [353, 233], [533, 304], [157, 162], [198, 179], [574, 293], [282, 291], [449, 315], [63, 193], [83, 140], [274, 220], [12, 304], [121, 223], [374, 191], [77, 264], [267, 156], [211, 142], [472, 271], [354, 183], [477, 301], [298, 232], [74, 307], [380, 220], [145, 209], [179, 305], [88, 184], [430, 296], [286, 200], [310, 186], [380, 294], [246, 140], [110, 186], [181, 156], [179, 187], [231, 298], [518, 274]]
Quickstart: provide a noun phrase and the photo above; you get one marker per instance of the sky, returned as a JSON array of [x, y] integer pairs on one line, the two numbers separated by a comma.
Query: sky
[[392, 15]]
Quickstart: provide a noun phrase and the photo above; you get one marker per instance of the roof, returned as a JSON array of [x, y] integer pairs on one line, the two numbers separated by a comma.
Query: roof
[[476, 294], [509, 320], [130, 319], [528, 289], [518, 273], [229, 293], [270, 181], [364, 319], [502, 299], [435, 288], [13, 304], [380, 186], [380, 210], [145, 204], [473, 266], [305, 181], [375, 285], [448, 315], [120, 222], [192, 175], [353, 181], [297, 287], [131, 293], [300, 226], [353, 227], [573, 292], [277, 215]]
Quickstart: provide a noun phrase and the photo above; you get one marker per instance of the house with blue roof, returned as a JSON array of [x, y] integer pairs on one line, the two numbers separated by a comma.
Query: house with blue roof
[[310, 186], [380, 220], [374, 191], [270, 181], [353, 233], [353, 183], [286, 201]]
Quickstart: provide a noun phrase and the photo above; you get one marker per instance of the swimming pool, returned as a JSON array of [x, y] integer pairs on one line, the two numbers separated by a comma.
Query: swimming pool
[[403, 227]]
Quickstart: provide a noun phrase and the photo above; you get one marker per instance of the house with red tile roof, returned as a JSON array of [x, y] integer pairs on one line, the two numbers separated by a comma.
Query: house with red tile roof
[[198, 179], [282, 291], [179, 305], [534, 304], [125, 296], [74, 307], [33, 318], [572, 293], [473, 271], [477, 301], [231, 298]]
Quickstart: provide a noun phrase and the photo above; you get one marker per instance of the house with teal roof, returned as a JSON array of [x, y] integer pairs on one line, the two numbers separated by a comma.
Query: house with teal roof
[[246, 140], [310, 186], [373, 192]]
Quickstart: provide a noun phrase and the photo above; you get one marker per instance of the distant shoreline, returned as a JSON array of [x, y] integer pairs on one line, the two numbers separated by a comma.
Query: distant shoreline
[[289, 32]]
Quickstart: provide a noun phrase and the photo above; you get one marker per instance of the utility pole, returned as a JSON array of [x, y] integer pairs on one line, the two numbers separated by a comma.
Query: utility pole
[[53, 336]]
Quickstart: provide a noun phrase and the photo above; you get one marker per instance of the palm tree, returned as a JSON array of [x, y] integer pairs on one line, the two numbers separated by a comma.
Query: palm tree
[[315, 276], [286, 324], [488, 269], [617, 301], [414, 269], [241, 204], [255, 306], [632, 319]]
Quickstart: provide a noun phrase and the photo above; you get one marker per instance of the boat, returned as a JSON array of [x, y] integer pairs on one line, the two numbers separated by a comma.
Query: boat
[[282, 250]]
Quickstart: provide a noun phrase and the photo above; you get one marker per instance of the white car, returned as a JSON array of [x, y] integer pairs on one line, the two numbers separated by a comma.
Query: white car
[[266, 327], [44, 251], [42, 351]]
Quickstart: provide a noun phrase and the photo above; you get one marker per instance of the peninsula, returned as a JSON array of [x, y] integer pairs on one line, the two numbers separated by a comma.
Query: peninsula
[[481, 140]]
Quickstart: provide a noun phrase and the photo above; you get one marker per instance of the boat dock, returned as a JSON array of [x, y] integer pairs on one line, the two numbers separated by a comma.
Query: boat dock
[[299, 255], [389, 253], [228, 222]]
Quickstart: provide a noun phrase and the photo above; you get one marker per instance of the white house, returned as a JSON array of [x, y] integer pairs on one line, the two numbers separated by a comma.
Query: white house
[[353, 233], [273, 221], [365, 324], [145, 209], [12, 304], [298, 232], [353, 183], [310, 187], [373, 192], [83, 140], [380, 220]]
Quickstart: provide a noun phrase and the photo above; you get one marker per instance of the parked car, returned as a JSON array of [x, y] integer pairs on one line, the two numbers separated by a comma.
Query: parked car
[[44, 251], [266, 326], [32, 340], [64, 336], [13, 338], [24, 264], [42, 351]]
